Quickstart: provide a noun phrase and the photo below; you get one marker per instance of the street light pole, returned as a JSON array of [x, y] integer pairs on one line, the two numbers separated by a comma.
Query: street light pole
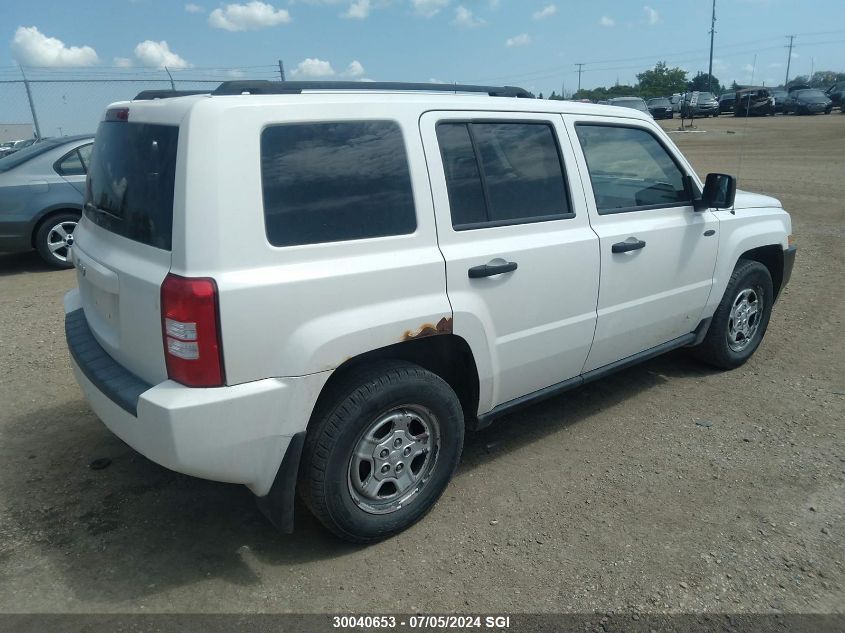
[[712, 34]]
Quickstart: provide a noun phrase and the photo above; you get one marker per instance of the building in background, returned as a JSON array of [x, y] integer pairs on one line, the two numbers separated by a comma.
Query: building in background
[[15, 131]]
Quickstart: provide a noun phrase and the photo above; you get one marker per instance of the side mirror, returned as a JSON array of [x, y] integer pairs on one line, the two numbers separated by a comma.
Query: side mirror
[[719, 191]]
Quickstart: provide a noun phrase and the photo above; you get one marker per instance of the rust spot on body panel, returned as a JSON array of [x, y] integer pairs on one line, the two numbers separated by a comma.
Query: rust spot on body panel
[[444, 326]]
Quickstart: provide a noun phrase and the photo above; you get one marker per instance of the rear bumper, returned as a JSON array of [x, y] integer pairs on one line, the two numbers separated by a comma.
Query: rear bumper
[[236, 434]]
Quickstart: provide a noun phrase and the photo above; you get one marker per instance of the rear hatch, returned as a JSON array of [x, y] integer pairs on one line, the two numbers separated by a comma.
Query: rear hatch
[[123, 244]]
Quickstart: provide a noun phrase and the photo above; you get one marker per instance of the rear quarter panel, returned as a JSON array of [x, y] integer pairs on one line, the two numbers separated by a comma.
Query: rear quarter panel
[[299, 310]]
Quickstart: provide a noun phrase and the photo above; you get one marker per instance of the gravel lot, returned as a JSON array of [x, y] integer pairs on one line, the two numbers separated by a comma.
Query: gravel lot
[[665, 488]]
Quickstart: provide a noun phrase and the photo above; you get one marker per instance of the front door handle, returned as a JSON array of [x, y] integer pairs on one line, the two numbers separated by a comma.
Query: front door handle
[[624, 247], [488, 270]]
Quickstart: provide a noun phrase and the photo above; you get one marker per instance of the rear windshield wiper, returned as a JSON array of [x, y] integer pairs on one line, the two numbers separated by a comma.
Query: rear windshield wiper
[[89, 206]]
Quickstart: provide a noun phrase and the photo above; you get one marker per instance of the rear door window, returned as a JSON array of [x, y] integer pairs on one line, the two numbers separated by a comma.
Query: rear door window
[[75, 163], [501, 173], [131, 179], [335, 181]]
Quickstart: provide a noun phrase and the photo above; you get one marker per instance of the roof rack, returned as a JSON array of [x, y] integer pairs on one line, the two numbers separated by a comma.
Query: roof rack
[[149, 95], [264, 87]]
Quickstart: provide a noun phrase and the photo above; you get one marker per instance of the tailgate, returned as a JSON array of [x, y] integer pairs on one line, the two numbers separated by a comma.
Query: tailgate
[[122, 246]]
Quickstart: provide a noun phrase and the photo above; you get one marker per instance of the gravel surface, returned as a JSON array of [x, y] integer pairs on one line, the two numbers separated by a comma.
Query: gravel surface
[[665, 488]]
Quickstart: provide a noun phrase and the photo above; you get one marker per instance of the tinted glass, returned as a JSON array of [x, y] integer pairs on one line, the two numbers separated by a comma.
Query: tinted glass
[[463, 180], [522, 170], [85, 154], [327, 182], [131, 179], [629, 168], [659, 102], [71, 165]]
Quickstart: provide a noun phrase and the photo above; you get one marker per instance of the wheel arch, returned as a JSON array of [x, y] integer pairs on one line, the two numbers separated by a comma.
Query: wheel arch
[[771, 256], [448, 356], [45, 214]]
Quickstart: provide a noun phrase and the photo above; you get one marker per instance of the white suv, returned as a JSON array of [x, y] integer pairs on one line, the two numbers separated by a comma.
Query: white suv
[[319, 287]]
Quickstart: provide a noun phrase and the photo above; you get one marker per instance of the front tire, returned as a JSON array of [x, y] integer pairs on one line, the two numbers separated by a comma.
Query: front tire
[[384, 445], [740, 321], [54, 239]]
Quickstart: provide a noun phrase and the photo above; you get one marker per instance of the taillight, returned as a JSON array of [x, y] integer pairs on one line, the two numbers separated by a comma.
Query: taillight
[[190, 326]]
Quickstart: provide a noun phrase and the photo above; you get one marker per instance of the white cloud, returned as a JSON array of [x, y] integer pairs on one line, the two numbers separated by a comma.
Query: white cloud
[[248, 17], [435, 81], [313, 68], [428, 8], [355, 69], [122, 62], [523, 39], [235, 73], [652, 16], [775, 65], [465, 18], [358, 10], [607, 21], [30, 47], [193, 8], [158, 55], [749, 68], [546, 12]]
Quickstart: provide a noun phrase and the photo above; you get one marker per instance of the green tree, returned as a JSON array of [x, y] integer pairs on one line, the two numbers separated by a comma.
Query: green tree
[[701, 82], [661, 81]]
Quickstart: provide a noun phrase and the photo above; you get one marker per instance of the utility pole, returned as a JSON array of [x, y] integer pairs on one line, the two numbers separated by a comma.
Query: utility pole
[[712, 33], [281, 70], [580, 70], [31, 105], [788, 60]]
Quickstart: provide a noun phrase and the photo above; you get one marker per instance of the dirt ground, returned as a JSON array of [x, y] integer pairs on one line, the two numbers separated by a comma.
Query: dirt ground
[[665, 488]]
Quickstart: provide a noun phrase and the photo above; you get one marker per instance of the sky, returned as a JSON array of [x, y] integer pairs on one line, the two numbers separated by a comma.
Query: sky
[[534, 44]]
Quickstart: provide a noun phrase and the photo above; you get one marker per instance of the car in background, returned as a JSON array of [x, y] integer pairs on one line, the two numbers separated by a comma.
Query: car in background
[[780, 96], [675, 99], [707, 105], [808, 101], [836, 93], [754, 102], [41, 195], [660, 108], [14, 146], [635, 103], [726, 103]]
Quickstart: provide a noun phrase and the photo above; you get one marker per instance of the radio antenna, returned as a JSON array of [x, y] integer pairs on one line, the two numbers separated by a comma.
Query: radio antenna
[[745, 128]]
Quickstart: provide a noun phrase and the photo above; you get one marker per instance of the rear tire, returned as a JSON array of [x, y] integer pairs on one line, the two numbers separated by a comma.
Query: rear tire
[[54, 238], [384, 445], [740, 321]]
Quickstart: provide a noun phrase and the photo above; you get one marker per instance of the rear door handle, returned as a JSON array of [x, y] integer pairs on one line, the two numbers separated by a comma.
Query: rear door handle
[[488, 270], [624, 247]]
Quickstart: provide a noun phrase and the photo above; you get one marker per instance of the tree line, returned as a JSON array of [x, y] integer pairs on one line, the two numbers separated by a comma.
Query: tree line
[[662, 81]]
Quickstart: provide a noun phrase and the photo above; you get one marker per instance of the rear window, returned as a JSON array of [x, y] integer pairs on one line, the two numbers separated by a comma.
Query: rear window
[[131, 179], [335, 181]]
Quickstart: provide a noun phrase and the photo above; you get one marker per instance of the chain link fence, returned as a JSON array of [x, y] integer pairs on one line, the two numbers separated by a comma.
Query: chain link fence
[[55, 103]]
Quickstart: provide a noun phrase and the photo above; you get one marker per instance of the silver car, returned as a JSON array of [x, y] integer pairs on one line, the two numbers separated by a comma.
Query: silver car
[[41, 196]]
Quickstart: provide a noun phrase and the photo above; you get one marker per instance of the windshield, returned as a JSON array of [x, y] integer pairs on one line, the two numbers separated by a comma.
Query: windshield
[[705, 96], [659, 102], [131, 180], [21, 156], [812, 95], [636, 104]]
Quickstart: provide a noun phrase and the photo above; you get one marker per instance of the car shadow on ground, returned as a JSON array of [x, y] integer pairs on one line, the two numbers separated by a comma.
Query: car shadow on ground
[[26, 262], [143, 529]]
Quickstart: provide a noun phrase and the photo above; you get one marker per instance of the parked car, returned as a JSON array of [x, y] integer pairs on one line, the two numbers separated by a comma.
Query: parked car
[[349, 296], [635, 103], [15, 146], [808, 101], [41, 191], [726, 103], [836, 93], [707, 105], [676, 102], [660, 108], [754, 102], [780, 97]]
